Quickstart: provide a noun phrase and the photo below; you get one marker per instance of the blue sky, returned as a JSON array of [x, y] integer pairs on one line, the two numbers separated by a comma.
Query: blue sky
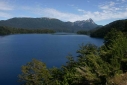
[[101, 11]]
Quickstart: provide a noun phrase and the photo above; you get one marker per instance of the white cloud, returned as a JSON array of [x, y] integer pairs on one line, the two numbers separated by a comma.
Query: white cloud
[[107, 6], [88, 1], [4, 6], [108, 11], [53, 13], [112, 10], [123, 0], [81, 10], [4, 15]]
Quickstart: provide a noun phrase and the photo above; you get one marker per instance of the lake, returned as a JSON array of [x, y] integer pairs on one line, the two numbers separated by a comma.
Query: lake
[[52, 49]]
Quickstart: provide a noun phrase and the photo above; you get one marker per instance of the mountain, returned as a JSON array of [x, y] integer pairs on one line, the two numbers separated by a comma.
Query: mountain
[[102, 31], [49, 23], [84, 24]]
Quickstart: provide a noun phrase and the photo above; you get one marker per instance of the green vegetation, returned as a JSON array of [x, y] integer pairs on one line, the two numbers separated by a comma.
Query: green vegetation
[[120, 25], [7, 30], [94, 65], [86, 32], [83, 32], [35, 73]]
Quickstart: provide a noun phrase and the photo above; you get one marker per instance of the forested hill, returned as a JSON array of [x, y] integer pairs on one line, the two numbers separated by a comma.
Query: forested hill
[[9, 30], [49, 23], [120, 25]]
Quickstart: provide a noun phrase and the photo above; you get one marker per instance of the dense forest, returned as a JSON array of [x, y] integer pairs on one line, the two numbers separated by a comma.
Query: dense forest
[[87, 32], [9, 30], [105, 65], [102, 31], [83, 32]]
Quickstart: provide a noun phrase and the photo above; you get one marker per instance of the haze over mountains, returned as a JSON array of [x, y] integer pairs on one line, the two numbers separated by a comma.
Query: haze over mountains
[[49, 23]]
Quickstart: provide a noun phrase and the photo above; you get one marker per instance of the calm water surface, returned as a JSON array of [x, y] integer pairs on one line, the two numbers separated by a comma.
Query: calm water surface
[[17, 50]]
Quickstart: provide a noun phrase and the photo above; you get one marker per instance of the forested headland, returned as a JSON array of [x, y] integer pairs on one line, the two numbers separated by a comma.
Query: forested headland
[[9, 30], [105, 65], [120, 25]]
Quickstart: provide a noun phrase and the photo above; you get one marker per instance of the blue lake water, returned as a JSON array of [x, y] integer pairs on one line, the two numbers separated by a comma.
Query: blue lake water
[[17, 50]]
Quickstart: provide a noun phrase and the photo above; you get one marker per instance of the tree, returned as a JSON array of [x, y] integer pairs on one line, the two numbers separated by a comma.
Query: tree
[[91, 66], [35, 73], [98, 65], [66, 75], [116, 48]]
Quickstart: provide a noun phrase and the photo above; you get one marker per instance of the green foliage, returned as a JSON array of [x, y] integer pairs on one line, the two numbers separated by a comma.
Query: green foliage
[[7, 30], [99, 65], [35, 73], [116, 47], [83, 32], [91, 65], [66, 75]]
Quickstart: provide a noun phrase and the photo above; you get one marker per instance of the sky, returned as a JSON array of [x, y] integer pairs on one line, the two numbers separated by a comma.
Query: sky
[[101, 11]]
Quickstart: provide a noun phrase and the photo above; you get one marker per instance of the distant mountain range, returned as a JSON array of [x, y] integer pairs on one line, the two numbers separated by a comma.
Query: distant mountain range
[[49, 23]]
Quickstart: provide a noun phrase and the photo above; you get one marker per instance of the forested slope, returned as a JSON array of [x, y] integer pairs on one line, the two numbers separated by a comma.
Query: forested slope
[[9, 30], [120, 25]]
